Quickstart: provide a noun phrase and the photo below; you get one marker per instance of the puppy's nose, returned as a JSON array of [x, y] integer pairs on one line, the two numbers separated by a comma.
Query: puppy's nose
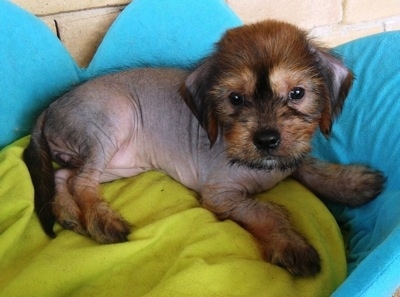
[[267, 139]]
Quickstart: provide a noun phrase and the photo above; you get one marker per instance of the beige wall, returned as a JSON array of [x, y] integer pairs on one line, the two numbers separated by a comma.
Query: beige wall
[[82, 24]]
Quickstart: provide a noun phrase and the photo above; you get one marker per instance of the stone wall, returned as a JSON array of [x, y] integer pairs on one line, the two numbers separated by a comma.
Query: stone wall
[[82, 24]]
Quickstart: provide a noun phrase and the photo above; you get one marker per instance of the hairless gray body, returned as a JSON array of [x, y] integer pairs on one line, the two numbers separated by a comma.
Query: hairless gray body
[[137, 121]]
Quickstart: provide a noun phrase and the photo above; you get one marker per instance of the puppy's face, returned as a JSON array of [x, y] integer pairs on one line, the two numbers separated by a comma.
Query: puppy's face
[[267, 89]]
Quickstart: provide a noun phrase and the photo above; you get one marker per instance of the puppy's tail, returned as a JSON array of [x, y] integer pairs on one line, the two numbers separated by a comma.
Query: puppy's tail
[[38, 160]]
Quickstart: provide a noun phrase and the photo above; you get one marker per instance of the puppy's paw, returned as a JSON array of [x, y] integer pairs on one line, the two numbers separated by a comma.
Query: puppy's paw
[[352, 185], [291, 251], [106, 226], [364, 184], [67, 213]]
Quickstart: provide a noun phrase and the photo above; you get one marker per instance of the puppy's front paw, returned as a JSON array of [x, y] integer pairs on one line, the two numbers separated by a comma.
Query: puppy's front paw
[[291, 251], [366, 184], [352, 185]]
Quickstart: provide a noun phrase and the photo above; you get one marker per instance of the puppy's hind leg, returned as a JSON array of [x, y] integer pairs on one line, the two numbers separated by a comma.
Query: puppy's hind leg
[[78, 206], [98, 219], [269, 223], [352, 185], [64, 207]]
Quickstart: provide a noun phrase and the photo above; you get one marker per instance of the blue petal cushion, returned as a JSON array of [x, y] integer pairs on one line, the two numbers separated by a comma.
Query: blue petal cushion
[[33, 71], [368, 132]]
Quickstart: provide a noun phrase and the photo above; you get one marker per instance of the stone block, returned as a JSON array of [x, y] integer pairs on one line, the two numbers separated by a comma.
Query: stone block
[[46, 7], [356, 11], [81, 32], [307, 13]]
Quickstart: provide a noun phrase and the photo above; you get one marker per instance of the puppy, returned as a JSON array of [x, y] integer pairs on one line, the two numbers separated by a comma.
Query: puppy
[[237, 125]]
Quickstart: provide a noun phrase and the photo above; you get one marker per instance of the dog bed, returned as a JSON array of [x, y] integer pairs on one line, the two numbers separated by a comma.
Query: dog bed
[[178, 248]]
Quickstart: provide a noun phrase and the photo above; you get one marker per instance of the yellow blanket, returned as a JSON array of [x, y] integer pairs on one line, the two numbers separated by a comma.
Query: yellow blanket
[[176, 248]]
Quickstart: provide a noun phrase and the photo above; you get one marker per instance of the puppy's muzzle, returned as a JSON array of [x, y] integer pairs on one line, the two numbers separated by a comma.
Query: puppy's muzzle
[[267, 139]]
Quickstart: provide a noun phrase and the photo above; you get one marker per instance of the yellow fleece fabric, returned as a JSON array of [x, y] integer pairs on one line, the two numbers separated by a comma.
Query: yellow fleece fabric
[[176, 247]]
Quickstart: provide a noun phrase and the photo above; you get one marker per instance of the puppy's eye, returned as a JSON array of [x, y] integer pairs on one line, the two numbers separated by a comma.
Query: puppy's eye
[[296, 93], [237, 99]]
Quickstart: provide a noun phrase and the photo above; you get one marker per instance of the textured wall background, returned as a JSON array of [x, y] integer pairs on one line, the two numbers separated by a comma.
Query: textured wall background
[[82, 24]]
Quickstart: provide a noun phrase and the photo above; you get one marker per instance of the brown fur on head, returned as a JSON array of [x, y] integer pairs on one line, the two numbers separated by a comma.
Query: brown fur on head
[[267, 88]]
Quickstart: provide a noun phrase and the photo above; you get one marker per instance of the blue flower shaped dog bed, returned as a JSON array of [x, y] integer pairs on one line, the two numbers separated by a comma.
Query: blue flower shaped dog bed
[[178, 248]]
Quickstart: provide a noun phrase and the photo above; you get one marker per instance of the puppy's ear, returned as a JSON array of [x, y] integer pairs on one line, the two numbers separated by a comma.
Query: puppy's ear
[[195, 93], [338, 82]]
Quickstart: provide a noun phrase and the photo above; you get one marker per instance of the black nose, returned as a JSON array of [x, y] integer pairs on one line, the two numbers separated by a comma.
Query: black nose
[[267, 139]]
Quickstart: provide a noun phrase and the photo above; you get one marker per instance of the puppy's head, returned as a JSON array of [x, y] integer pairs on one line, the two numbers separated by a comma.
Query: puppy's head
[[267, 88]]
